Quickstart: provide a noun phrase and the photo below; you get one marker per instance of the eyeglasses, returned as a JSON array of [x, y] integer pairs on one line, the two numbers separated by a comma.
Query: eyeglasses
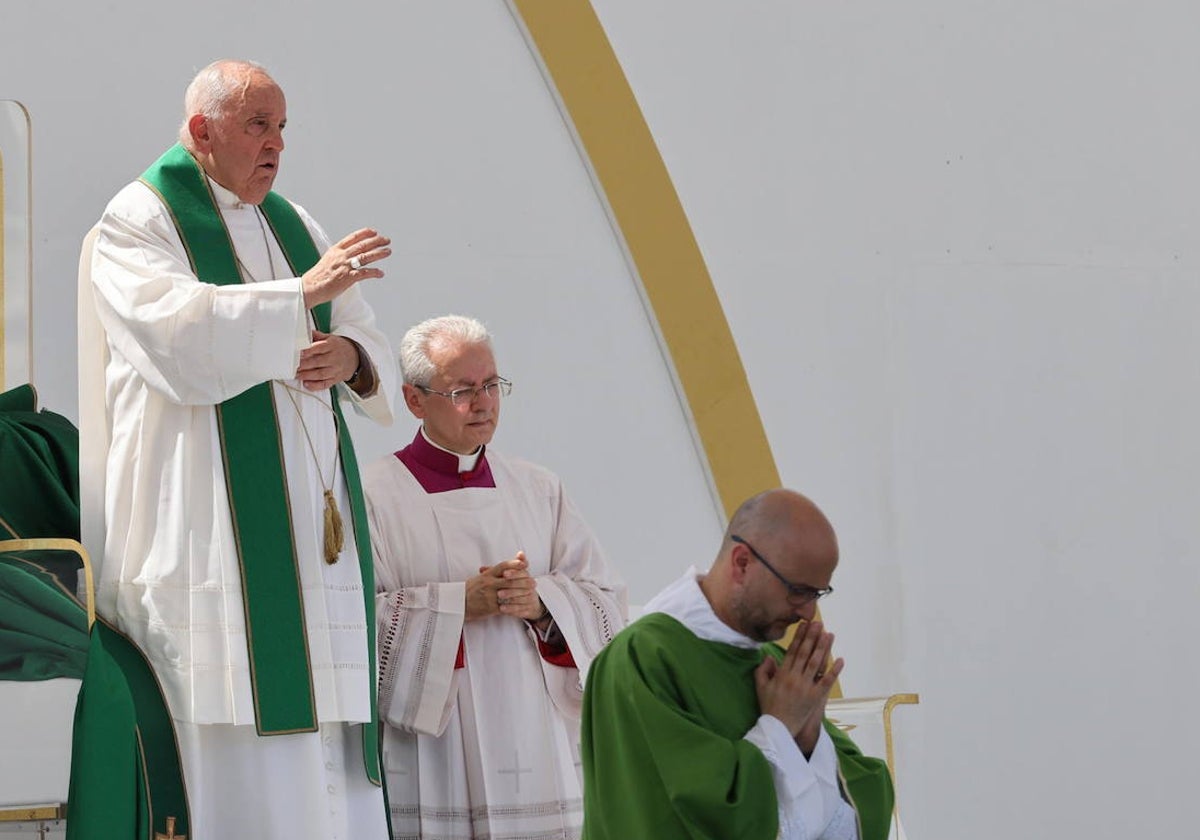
[[498, 387], [801, 592]]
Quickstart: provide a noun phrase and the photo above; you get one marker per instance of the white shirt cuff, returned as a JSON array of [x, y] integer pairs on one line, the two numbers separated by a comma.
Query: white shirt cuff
[[807, 789]]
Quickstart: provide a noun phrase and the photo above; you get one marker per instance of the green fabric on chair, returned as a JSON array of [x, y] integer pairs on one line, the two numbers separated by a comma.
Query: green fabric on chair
[[39, 477], [126, 778], [43, 628]]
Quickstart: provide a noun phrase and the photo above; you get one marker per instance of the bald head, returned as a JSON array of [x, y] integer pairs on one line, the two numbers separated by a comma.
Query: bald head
[[216, 91], [786, 519], [786, 530]]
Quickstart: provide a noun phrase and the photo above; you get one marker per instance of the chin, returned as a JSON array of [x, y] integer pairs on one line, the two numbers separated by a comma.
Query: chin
[[772, 632], [255, 193]]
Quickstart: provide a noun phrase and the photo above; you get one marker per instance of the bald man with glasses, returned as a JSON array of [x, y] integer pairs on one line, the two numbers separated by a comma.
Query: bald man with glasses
[[493, 598], [696, 725]]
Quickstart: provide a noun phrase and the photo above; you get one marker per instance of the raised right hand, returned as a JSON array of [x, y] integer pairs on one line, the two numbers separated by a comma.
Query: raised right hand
[[333, 273]]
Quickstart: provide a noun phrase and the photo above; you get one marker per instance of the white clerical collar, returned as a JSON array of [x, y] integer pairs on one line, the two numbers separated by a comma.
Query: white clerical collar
[[225, 198], [684, 601], [466, 463]]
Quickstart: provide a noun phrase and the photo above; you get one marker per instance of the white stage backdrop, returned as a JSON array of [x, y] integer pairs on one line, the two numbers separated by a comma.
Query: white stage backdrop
[[955, 244]]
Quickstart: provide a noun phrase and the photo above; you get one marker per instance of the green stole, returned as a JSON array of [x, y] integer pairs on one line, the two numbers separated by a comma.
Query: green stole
[[280, 673]]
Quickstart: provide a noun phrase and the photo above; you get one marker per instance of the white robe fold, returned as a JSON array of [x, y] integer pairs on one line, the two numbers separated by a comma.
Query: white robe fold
[[489, 749]]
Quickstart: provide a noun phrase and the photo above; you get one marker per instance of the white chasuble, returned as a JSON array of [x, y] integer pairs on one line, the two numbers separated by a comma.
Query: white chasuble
[[489, 749]]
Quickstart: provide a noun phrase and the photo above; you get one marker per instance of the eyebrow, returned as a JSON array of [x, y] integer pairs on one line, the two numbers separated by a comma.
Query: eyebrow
[[467, 383]]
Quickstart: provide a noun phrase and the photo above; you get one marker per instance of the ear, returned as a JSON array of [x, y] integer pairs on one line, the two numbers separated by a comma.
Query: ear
[[201, 131], [739, 562], [415, 400]]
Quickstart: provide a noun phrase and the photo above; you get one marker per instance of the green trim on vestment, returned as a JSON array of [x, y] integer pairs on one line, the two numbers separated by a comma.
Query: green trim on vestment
[[253, 461], [301, 254], [280, 672], [126, 775], [664, 753]]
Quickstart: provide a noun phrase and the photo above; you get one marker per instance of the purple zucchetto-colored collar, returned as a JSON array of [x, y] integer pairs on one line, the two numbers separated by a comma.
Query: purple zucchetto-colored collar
[[437, 470]]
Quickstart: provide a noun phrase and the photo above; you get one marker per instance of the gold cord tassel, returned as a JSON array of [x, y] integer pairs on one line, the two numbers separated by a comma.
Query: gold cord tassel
[[334, 538]]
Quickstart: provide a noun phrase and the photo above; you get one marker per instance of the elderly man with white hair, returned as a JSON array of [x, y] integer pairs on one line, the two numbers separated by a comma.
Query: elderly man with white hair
[[493, 599], [236, 556]]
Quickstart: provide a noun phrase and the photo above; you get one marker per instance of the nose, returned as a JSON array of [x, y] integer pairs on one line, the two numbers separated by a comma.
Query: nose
[[275, 139], [807, 612]]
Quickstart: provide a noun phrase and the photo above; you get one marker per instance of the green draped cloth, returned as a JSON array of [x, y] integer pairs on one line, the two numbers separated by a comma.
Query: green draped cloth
[[125, 772], [43, 628], [39, 479], [126, 777], [664, 715]]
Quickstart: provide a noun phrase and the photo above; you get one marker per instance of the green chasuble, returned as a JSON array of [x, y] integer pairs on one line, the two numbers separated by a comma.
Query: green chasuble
[[664, 756]]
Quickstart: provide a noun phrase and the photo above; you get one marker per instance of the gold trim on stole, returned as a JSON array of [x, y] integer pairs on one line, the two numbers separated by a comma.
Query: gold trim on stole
[[287, 498], [225, 473]]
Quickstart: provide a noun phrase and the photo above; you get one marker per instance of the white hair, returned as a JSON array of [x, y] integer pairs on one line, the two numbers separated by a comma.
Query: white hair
[[214, 90], [415, 364]]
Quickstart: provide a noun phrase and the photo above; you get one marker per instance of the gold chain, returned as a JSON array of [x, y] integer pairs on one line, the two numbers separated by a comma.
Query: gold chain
[[334, 537]]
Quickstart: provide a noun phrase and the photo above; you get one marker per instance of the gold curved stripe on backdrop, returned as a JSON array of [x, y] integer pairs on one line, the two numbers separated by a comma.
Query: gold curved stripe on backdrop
[[628, 172]]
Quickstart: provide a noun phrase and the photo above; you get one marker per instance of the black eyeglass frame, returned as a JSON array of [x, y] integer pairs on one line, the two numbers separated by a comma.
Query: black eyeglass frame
[[466, 396], [802, 592]]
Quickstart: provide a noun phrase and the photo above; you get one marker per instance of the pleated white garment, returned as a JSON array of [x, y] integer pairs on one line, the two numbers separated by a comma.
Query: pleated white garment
[[324, 793], [490, 750]]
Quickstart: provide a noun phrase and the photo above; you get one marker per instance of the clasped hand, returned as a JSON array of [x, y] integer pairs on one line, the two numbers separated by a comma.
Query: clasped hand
[[506, 588], [795, 689]]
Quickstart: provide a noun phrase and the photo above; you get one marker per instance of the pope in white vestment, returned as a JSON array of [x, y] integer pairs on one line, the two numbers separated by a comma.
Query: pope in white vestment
[[170, 575], [481, 710]]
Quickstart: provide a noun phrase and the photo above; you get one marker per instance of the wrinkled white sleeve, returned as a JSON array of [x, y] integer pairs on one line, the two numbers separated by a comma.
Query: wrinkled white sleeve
[[419, 629], [585, 595], [419, 632], [194, 342], [810, 801]]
